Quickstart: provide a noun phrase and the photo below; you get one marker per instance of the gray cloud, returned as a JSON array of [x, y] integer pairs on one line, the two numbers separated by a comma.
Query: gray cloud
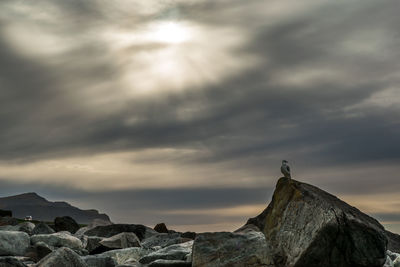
[[322, 93]]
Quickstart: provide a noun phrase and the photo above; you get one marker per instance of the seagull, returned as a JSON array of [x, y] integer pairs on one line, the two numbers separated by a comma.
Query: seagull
[[285, 169]]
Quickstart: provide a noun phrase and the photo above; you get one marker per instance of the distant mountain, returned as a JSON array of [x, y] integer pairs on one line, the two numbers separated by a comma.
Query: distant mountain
[[41, 209]]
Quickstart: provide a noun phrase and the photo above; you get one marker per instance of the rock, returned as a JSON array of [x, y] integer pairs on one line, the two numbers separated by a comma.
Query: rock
[[42, 229], [9, 261], [62, 257], [93, 224], [99, 261], [170, 263], [190, 235], [308, 227], [127, 255], [245, 247], [122, 240], [8, 221], [26, 227], [393, 241], [113, 229], [60, 239], [5, 213], [173, 252], [38, 251], [92, 243], [13, 243], [65, 223], [161, 228], [162, 240]]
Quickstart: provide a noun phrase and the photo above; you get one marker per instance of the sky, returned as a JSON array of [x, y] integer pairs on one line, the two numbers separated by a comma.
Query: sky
[[180, 111]]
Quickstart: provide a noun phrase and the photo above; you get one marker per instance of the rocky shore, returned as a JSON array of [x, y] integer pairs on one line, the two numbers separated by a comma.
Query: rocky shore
[[302, 226]]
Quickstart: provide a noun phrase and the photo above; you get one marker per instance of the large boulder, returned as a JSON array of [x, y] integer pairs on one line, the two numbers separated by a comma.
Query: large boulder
[[127, 255], [39, 251], [162, 240], [99, 261], [62, 257], [93, 224], [61, 239], [113, 229], [8, 221], [245, 247], [170, 263], [42, 229], [66, 223], [13, 243], [26, 227], [11, 262], [122, 240], [307, 226], [174, 252]]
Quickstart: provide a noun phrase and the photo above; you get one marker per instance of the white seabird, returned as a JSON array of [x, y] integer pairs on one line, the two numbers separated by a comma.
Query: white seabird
[[285, 169]]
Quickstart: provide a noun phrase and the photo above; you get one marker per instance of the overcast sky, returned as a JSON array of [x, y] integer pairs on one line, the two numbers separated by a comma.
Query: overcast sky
[[180, 111]]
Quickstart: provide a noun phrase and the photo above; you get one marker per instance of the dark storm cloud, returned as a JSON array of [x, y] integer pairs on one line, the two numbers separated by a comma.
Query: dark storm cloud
[[307, 99]]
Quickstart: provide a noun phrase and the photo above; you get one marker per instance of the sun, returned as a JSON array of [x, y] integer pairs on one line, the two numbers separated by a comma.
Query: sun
[[170, 33]]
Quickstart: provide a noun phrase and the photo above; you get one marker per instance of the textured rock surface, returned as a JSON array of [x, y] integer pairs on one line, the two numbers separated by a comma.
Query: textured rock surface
[[61, 239], [162, 240], [11, 262], [173, 252], [13, 243], [309, 227], [42, 229], [91, 225], [62, 257], [92, 243], [122, 240], [246, 247], [113, 229], [66, 223], [39, 251], [127, 255], [393, 241], [8, 221], [99, 261], [170, 263]]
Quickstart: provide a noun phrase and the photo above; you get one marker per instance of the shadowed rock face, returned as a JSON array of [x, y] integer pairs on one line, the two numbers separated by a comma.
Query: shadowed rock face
[[307, 226]]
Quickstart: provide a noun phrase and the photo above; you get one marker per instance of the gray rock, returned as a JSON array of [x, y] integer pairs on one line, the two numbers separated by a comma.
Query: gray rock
[[42, 229], [309, 227], [170, 263], [93, 224], [162, 240], [62, 257], [61, 239], [8, 221], [113, 229], [26, 227], [393, 241], [13, 243], [127, 255], [122, 240], [173, 252], [39, 251], [246, 247], [92, 243], [99, 261], [9, 261]]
